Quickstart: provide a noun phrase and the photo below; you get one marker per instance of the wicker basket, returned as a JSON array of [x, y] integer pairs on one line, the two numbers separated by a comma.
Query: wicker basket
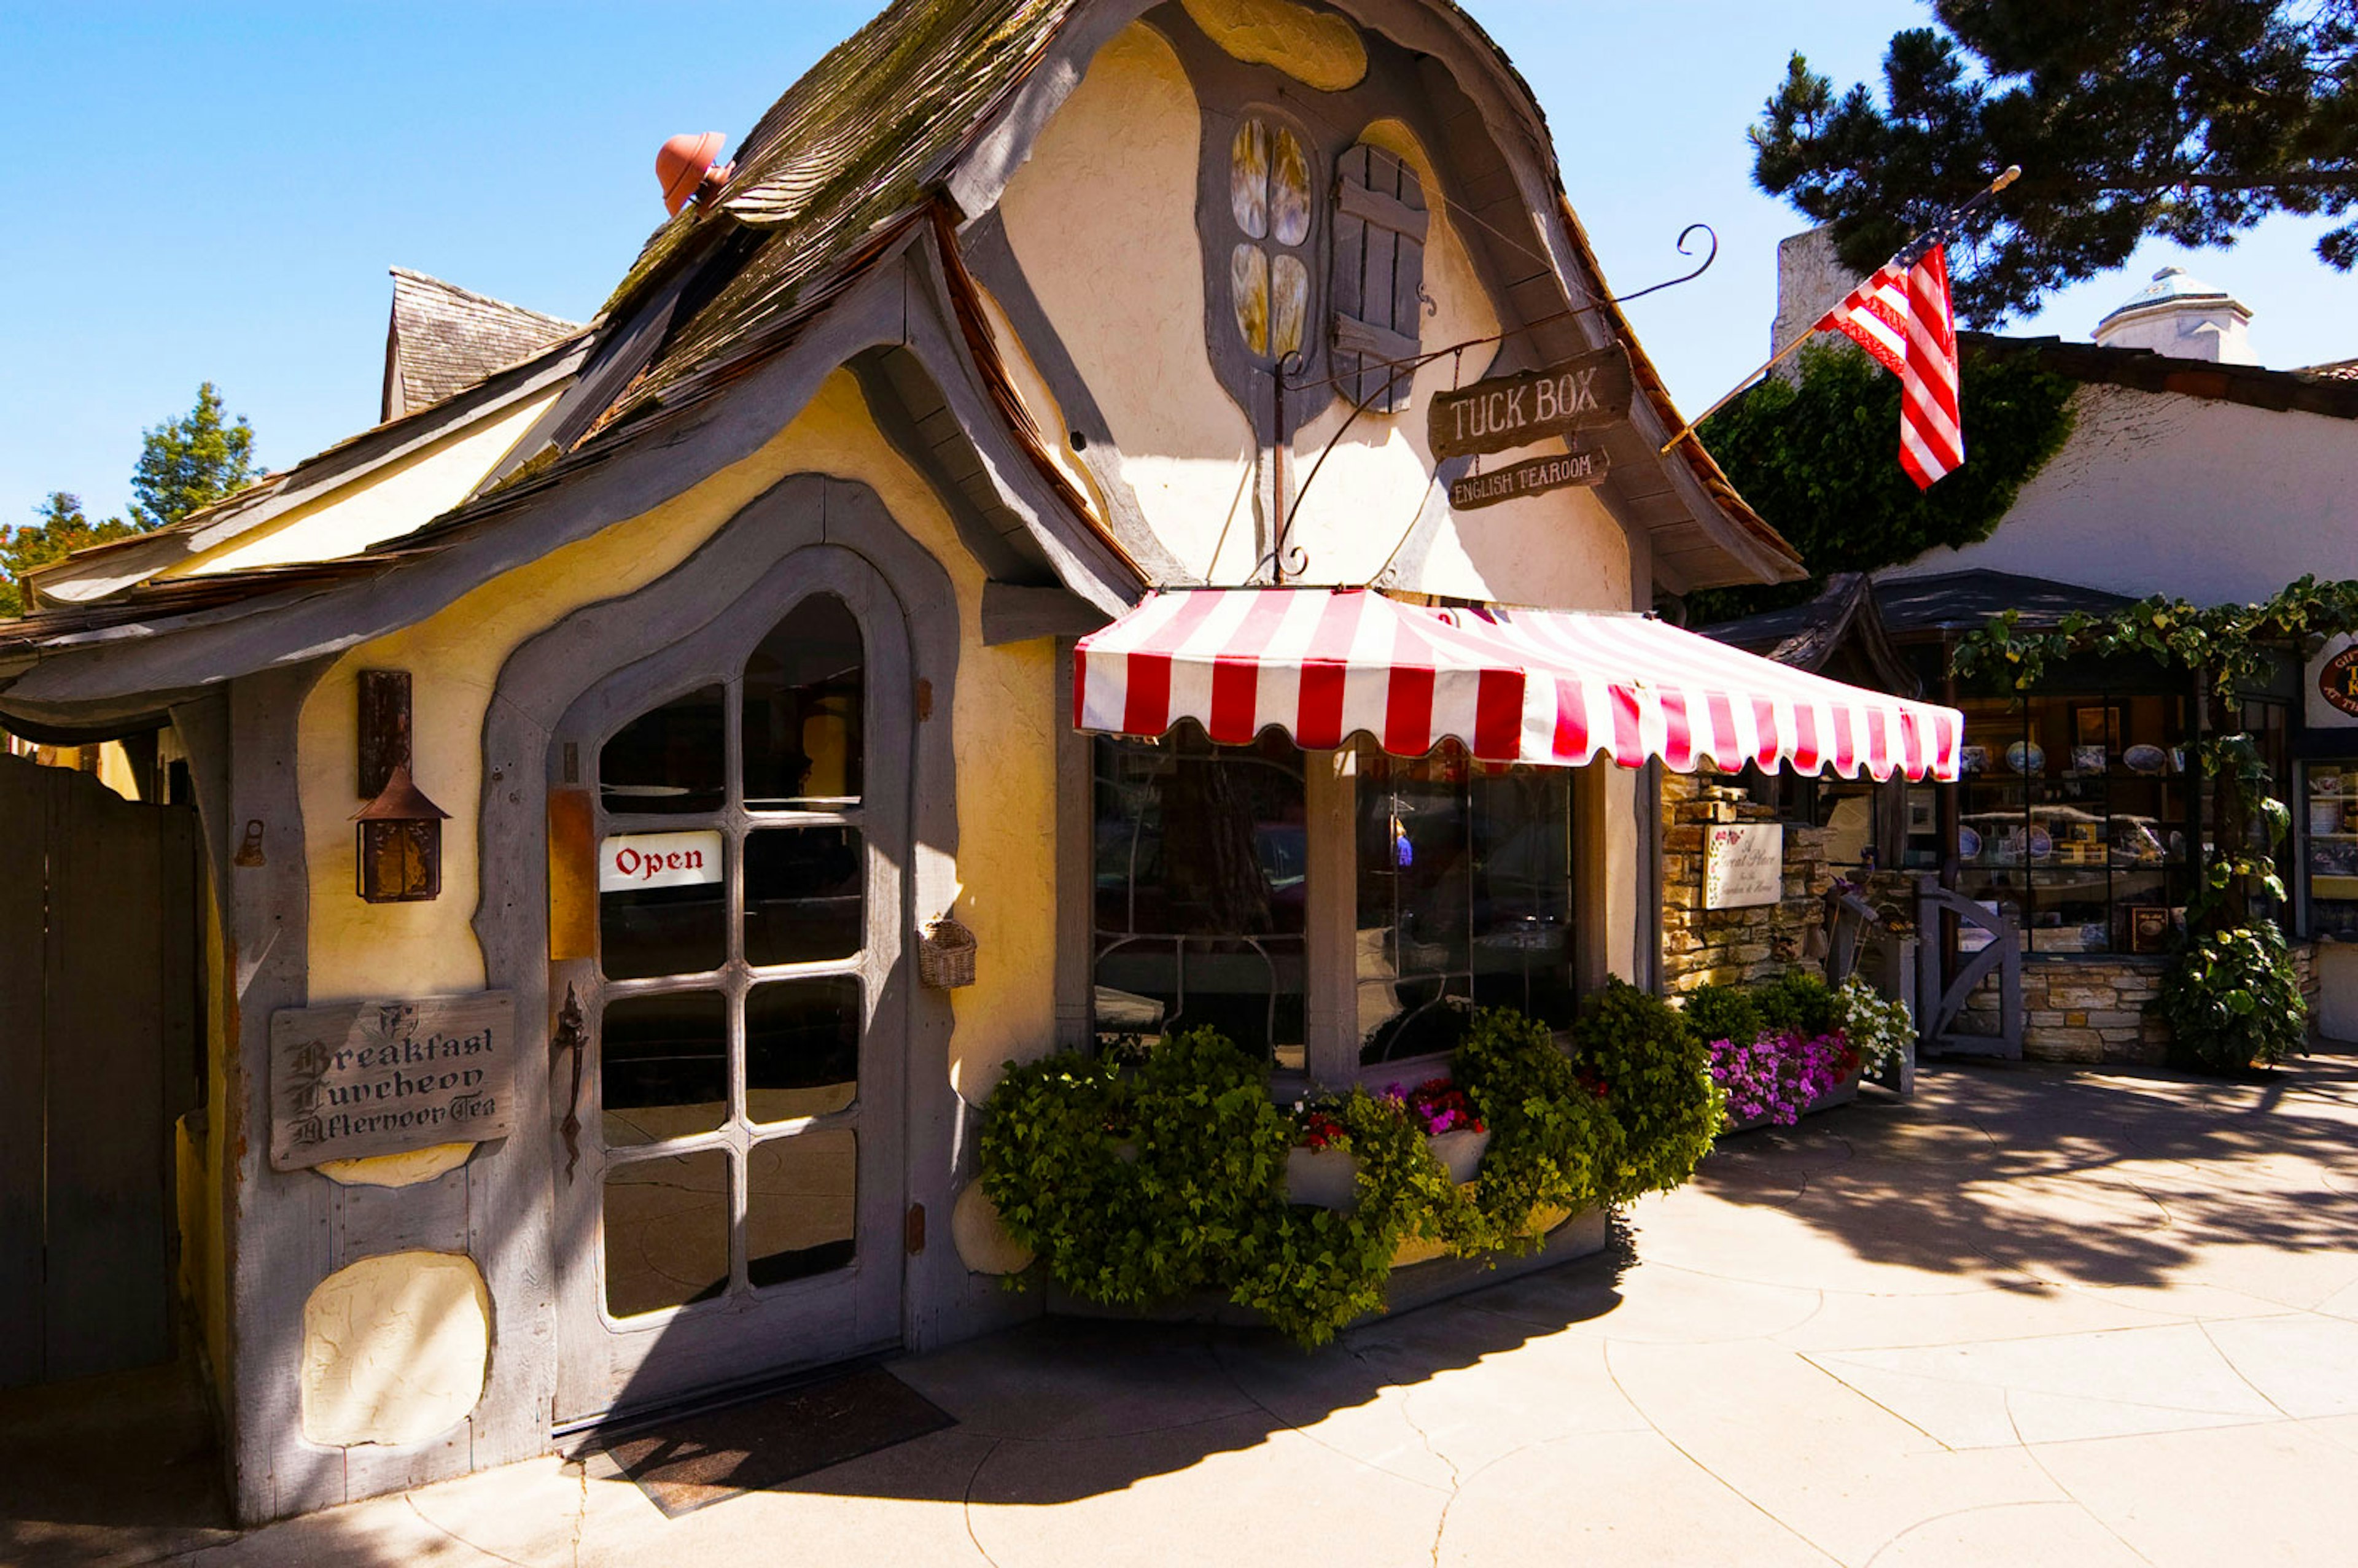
[[946, 955]]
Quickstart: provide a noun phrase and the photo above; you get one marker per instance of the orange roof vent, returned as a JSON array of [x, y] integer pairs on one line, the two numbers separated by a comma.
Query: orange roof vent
[[685, 168]]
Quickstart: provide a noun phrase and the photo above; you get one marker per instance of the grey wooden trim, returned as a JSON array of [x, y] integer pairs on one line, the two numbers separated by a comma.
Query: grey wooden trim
[[895, 386], [1016, 612], [125, 666], [1082, 560], [1331, 919], [1592, 874], [981, 175], [1356, 201], [1076, 865], [992, 259], [1357, 337]]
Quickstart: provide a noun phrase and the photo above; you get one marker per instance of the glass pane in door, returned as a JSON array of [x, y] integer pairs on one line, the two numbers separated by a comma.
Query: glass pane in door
[[801, 1205], [666, 1230], [802, 1047], [669, 761], [664, 1068], [804, 894], [802, 709]]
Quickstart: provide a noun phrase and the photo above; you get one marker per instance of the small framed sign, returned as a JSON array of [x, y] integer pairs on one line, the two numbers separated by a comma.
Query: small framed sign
[[1743, 865], [2337, 681]]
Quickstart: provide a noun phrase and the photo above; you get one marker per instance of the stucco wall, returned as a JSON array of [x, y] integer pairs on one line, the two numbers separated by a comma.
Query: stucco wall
[[388, 501], [2158, 493], [1005, 712], [1103, 220]]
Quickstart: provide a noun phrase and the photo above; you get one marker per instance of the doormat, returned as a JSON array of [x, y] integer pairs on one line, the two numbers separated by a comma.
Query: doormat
[[688, 1462]]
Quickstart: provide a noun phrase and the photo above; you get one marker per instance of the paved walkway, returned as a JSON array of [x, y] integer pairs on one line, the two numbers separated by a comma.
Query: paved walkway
[[2032, 1316]]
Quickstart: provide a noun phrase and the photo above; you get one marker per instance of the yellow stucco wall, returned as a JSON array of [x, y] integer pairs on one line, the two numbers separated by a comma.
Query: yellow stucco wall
[[394, 1348], [380, 504], [1005, 715], [1103, 219]]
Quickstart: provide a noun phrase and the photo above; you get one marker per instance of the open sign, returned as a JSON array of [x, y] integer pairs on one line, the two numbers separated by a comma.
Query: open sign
[[630, 861]]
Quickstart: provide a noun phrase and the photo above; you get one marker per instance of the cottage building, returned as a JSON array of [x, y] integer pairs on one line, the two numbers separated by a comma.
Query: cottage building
[[644, 786]]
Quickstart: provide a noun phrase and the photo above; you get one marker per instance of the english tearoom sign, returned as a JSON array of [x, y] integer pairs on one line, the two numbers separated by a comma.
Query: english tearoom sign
[[1515, 410], [384, 1077], [1535, 478]]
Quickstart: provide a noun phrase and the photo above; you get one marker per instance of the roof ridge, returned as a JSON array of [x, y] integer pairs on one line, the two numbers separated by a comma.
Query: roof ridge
[[411, 275]]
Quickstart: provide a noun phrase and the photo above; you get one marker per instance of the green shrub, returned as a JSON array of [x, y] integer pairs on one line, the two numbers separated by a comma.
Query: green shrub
[[1656, 1072], [2231, 1000], [1554, 1143], [1723, 1013], [1799, 1003], [1134, 1186]]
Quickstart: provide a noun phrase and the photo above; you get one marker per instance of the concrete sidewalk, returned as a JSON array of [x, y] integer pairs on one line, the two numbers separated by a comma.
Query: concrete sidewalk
[[2033, 1317]]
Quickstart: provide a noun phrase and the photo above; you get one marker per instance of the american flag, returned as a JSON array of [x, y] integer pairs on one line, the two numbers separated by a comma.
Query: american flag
[[1901, 317]]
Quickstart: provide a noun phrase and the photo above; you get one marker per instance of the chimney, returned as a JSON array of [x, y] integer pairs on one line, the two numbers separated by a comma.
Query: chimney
[[2179, 315], [1811, 281]]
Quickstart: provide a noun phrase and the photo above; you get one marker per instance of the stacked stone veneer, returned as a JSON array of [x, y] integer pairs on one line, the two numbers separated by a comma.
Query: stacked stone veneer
[[2091, 1007], [1732, 946]]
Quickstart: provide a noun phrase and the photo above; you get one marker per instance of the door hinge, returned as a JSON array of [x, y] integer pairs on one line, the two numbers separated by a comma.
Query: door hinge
[[913, 1228]]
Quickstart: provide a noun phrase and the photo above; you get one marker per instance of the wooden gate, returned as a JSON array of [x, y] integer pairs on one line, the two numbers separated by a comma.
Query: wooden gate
[[1945, 986], [99, 993]]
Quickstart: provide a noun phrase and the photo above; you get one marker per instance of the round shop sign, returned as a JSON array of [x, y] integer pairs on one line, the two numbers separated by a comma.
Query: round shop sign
[[2337, 681]]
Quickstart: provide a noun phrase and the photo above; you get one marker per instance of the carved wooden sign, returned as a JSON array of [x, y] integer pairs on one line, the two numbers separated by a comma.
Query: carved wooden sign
[[1743, 865], [1516, 410], [384, 1077], [1535, 478]]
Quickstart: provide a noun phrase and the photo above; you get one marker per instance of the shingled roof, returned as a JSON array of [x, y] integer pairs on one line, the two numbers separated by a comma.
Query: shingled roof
[[443, 338]]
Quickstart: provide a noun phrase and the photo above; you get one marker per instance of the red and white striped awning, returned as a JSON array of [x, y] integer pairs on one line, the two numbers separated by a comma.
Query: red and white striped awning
[[1514, 686]]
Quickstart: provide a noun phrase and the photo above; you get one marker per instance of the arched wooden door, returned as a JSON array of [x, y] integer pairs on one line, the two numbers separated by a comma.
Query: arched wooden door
[[729, 1168]]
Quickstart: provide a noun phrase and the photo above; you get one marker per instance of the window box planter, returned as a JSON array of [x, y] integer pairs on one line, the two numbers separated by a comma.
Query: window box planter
[[1841, 1094], [1328, 1178]]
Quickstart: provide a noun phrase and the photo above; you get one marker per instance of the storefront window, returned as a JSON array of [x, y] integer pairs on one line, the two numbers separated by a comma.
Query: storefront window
[[2079, 816], [2328, 829], [1202, 888], [1465, 898]]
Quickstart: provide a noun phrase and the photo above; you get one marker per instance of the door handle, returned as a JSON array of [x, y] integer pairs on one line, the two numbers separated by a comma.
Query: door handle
[[571, 1034]]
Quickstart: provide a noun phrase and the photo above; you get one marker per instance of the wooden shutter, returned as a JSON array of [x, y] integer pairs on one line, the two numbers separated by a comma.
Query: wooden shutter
[[1379, 224]]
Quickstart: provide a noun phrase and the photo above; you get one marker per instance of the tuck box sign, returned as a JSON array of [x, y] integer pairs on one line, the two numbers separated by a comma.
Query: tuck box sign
[[1510, 411], [384, 1077]]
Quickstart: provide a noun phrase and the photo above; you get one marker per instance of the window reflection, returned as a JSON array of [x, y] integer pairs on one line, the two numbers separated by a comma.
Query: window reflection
[[804, 894], [669, 761], [802, 1047], [1465, 898], [646, 932], [802, 710], [1201, 881], [801, 1207], [667, 1232], [664, 1066]]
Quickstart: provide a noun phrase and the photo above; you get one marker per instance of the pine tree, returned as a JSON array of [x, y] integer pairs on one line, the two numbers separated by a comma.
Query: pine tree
[[189, 462], [2189, 120]]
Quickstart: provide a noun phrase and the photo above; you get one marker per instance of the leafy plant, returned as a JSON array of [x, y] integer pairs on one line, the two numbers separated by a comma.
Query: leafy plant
[[1723, 1013], [2231, 1002], [1144, 1179], [1555, 1144], [1879, 1031], [1797, 1002], [1656, 1075]]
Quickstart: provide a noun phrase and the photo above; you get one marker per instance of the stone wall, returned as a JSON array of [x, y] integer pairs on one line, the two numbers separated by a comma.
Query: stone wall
[[2091, 1007], [1732, 946]]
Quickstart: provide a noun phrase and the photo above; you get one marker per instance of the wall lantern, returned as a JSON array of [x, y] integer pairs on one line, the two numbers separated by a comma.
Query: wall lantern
[[400, 843]]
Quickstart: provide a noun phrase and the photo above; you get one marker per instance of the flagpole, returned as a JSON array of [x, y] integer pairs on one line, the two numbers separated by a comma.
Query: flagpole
[[1939, 231]]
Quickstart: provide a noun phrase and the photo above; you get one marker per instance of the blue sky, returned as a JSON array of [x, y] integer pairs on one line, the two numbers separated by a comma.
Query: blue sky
[[199, 192]]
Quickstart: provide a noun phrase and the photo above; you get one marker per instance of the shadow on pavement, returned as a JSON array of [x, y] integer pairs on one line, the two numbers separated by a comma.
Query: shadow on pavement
[[2097, 1176]]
